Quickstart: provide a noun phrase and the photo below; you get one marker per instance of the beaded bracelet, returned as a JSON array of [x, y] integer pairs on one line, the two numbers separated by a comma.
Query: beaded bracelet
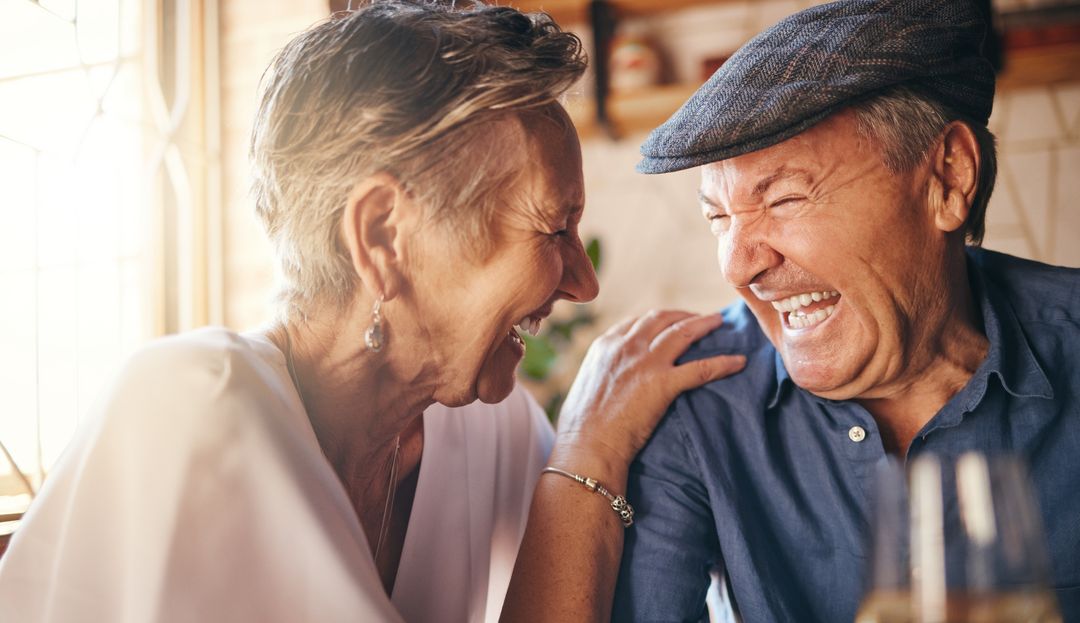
[[619, 504]]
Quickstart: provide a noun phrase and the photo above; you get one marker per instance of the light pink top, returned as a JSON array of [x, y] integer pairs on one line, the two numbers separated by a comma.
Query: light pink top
[[196, 491]]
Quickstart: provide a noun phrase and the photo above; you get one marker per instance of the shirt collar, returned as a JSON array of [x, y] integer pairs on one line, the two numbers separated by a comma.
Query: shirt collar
[[782, 379], [1009, 356]]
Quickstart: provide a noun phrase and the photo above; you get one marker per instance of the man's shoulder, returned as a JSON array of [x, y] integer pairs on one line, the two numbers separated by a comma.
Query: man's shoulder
[[1037, 292], [750, 391], [706, 426], [739, 334]]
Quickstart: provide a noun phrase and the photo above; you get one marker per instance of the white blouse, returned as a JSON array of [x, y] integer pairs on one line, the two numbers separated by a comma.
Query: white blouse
[[196, 491]]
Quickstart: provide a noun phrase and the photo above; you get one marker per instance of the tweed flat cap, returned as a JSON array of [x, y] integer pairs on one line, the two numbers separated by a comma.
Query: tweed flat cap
[[817, 62]]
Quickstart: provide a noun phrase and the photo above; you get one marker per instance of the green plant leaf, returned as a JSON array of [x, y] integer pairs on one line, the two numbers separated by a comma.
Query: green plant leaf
[[592, 249], [539, 358], [553, 405]]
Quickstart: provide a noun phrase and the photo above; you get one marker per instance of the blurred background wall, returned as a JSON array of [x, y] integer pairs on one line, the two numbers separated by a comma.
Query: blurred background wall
[[127, 122], [657, 249]]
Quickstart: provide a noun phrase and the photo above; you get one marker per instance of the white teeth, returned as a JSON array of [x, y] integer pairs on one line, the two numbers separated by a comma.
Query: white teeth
[[530, 325], [801, 321], [793, 303]]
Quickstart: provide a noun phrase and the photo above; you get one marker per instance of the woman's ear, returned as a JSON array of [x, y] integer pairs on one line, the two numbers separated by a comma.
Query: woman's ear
[[371, 228], [955, 171]]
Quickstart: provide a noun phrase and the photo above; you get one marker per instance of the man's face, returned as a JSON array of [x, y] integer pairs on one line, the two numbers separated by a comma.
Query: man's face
[[838, 258]]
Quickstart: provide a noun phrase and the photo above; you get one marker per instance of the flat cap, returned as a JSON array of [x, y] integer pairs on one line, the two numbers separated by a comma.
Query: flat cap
[[818, 61]]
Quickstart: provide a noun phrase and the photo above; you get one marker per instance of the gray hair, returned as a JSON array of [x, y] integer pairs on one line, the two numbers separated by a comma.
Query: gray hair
[[906, 124], [403, 87]]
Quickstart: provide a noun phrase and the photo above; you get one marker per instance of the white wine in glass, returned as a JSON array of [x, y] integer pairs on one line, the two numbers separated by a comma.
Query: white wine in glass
[[957, 541]]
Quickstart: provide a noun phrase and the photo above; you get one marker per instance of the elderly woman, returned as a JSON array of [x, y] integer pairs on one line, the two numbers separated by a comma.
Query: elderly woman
[[422, 188]]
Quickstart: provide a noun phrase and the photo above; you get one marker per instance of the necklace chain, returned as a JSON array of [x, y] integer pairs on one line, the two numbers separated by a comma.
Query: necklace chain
[[388, 506]]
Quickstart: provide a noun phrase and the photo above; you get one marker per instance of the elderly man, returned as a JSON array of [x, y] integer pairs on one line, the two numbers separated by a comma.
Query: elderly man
[[845, 171]]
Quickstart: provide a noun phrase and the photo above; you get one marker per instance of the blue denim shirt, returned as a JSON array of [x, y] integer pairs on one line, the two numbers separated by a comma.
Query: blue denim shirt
[[758, 478]]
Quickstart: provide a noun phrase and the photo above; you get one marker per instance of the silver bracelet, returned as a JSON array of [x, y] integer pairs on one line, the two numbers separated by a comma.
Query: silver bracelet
[[619, 504]]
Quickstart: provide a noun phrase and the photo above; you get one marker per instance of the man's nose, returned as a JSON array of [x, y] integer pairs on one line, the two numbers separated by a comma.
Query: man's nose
[[745, 253], [579, 282]]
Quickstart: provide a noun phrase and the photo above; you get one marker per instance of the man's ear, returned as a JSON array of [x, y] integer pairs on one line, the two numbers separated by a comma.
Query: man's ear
[[955, 174], [372, 233]]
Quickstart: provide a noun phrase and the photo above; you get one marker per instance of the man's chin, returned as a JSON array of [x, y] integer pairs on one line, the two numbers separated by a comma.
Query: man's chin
[[821, 379]]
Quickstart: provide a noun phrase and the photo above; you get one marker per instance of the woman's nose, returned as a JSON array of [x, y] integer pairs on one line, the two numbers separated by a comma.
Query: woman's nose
[[579, 282]]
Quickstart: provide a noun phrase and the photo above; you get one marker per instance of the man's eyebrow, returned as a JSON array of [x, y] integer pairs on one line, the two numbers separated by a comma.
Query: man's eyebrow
[[763, 185], [780, 174]]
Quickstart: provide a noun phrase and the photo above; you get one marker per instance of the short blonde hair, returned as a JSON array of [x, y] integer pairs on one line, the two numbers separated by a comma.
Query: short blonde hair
[[400, 87]]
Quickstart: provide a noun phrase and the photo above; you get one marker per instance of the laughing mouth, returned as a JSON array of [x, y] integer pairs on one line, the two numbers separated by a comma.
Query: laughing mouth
[[530, 325], [807, 309]]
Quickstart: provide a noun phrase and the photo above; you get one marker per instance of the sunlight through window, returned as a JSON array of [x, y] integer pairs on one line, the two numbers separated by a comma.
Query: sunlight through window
[[73, 221]]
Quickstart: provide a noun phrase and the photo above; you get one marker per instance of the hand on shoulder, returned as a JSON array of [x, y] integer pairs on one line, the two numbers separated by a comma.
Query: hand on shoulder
[[628, 379]]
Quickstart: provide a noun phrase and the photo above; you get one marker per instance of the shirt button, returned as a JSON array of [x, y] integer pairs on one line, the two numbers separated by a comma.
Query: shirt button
[[856, 433]]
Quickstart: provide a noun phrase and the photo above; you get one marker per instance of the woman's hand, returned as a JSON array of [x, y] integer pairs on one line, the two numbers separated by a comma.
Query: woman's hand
[[569, 558], [626, 383]]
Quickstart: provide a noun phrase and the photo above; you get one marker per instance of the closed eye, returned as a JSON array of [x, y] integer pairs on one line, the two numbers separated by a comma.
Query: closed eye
[[567, 228], [718, 222], [559, 234], [556, 233], [787, 201]]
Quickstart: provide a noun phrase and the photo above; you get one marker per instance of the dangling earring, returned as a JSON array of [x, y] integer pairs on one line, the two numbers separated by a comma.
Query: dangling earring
[[374, 338]]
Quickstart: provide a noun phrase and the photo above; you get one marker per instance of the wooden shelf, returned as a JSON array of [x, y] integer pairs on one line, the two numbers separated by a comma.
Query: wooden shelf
[[631, 112], [576, 11], [1040, 66], [564, 12], [643, 110]]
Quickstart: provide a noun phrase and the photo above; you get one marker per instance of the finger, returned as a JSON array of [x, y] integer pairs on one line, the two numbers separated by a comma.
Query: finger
[[652, 323], [674, 340], [621, 327], [701, 371]]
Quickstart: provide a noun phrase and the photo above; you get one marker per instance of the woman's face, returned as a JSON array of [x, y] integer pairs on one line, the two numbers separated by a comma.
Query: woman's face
[[477, 307]]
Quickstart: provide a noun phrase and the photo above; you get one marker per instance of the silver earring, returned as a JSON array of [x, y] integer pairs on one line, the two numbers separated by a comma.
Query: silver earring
[[374, 338]]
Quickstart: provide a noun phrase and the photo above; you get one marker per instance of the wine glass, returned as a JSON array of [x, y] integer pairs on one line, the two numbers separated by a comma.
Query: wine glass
[[957, 540]]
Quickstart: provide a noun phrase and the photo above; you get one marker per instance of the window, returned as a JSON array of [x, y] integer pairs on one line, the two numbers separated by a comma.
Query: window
[[103, 207]]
